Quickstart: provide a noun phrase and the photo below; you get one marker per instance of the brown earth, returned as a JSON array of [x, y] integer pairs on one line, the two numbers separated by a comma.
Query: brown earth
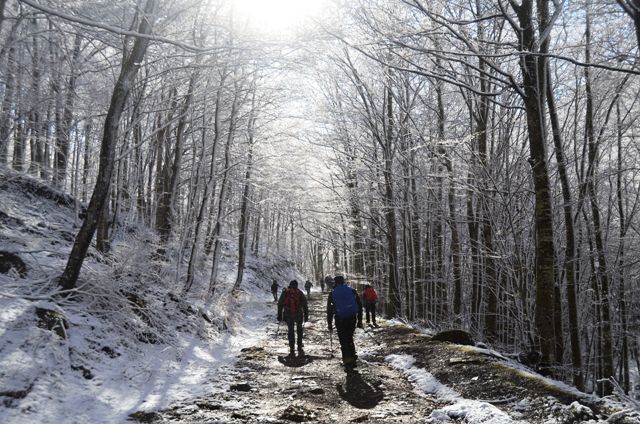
[[264, 386]]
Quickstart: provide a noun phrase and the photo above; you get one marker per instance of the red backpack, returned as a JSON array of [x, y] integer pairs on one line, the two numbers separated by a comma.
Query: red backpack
[[291, 300], [370, 294]]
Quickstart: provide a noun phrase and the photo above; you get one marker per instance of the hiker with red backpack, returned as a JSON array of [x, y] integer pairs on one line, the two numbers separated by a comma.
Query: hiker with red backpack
[[293, 308], [370, 298], [343, 305]]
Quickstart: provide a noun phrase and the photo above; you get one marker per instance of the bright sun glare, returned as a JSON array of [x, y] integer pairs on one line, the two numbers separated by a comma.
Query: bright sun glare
[[277, 17]]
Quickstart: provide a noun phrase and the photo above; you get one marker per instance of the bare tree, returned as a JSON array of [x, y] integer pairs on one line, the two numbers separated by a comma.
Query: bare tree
[[130, 65]]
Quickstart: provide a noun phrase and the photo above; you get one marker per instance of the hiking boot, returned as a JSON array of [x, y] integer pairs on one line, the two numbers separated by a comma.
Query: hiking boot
[[300, 351]]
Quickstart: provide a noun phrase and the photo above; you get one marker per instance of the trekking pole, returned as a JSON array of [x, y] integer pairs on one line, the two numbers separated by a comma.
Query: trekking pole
[[371, 335], [331, 339], [278, 330]]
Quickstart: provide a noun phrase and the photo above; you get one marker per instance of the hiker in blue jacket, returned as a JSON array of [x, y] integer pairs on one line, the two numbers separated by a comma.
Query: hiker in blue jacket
[[293, 308], [343, 305]]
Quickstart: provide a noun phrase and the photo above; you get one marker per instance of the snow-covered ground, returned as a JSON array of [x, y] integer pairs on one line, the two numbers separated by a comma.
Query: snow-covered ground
[[152, 377], [472, 411], [117, 356]]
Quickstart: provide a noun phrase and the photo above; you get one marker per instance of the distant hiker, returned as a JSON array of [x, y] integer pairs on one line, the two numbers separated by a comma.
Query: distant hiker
[[343, 304], [328, 281], [274, 290], [307, 287], [292, 308], [370, 298]]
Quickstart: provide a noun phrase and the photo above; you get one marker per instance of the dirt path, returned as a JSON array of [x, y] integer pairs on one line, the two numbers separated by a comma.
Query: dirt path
[[261, 387], [265, 387]]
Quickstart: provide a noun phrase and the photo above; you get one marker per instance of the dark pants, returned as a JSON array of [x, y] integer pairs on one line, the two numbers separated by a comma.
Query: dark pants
[[370, 308], [275, 295], [291, 321], [345, 329], [309, 292]]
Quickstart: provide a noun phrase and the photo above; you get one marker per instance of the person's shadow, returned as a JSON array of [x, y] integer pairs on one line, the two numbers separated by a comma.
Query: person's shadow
[[295, 361], [359, 392]]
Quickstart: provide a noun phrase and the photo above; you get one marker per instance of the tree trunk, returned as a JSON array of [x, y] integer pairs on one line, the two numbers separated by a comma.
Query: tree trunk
[[570, 250], [165, 213], [624, 378], [63, 133], [244, 206], [130, 67], [632, 8], [208, 188], [394, 305], [38, 137], [215, 235], [533, 69], [603, 274], [20, 135], [3, 3], [8, 101]]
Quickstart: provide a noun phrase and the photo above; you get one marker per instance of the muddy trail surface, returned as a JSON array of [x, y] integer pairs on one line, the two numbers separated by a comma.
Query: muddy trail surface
[[264, 385]]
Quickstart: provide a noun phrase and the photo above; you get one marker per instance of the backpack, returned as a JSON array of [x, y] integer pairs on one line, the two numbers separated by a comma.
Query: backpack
[[291, 300], [344, 301], [370, 295]]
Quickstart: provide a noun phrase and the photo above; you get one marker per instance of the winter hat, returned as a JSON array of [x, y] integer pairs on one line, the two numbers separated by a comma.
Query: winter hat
[[293, 283], [339, 279]]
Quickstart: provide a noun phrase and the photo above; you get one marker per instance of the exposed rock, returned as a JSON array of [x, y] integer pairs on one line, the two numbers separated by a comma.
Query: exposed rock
[[240, 387], [202, 404], [15, 395], [580, 412], [86, 372], [110, 352], [238, 416], [460, 337], [52, 321], [148, 337], [10, 261], [7, 220], [145, 417], [297, 413]]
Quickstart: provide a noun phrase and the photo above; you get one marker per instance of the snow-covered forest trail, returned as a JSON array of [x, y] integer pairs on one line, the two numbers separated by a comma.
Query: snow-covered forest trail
[[264, 387], [402, 377]]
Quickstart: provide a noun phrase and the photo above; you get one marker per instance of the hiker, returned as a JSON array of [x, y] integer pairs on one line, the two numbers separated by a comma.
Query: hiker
[[369, 298], [292, 308], [274, 290], [307, 287], [328, 281], [343, 304]]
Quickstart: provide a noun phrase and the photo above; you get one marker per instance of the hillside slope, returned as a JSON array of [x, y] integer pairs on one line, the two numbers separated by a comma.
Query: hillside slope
[[129, 338]]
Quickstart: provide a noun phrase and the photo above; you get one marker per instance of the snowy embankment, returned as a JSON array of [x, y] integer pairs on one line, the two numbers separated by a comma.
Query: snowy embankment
[[472, 411], [129, 340], [512, 409]]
